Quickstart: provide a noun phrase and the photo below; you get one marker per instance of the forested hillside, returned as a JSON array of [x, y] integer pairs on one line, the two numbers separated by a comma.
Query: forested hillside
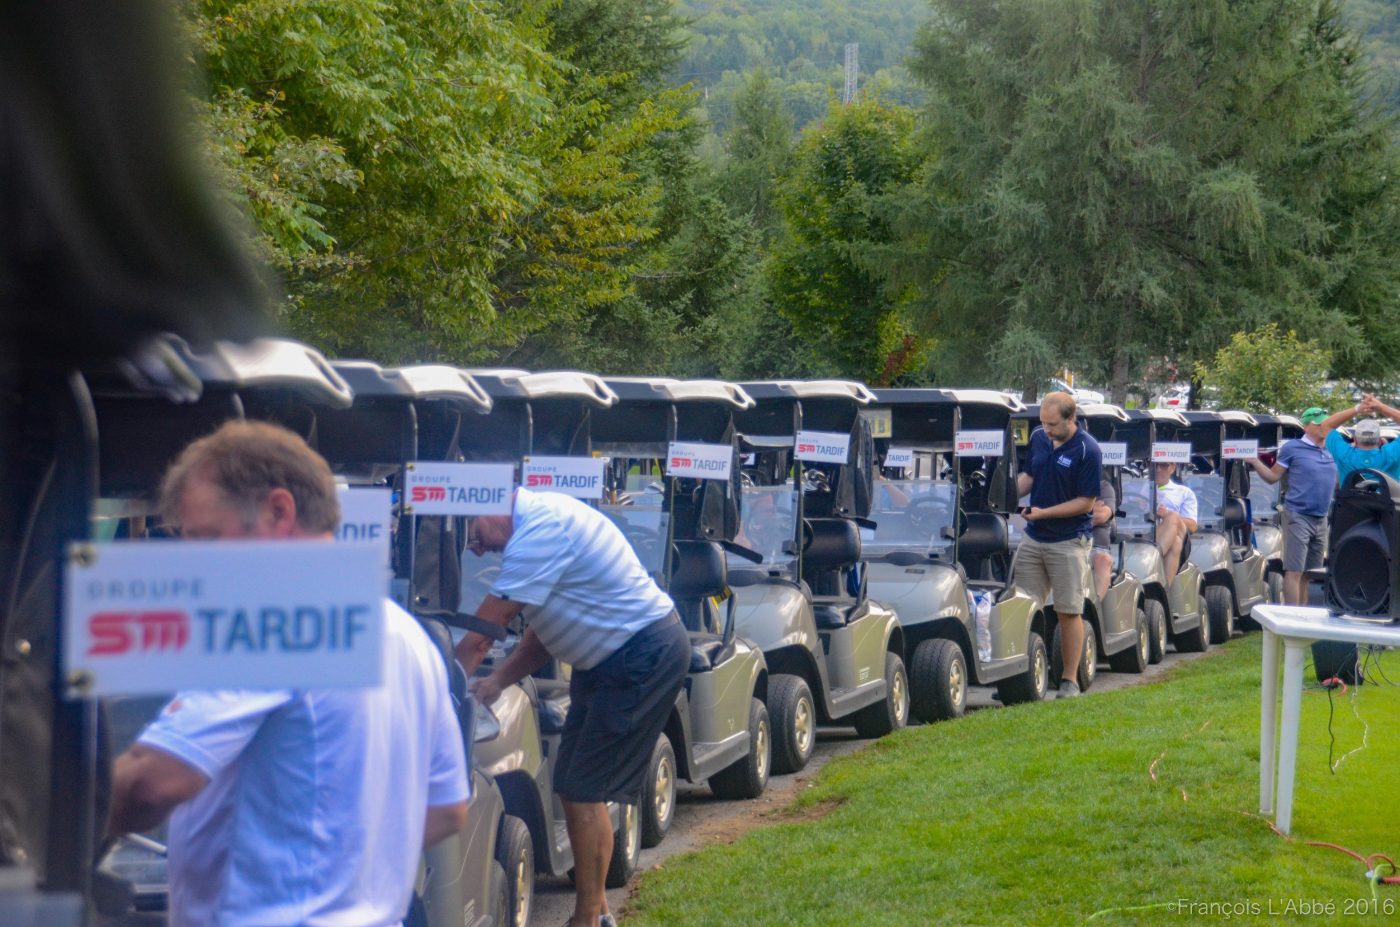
[[1379, 23]]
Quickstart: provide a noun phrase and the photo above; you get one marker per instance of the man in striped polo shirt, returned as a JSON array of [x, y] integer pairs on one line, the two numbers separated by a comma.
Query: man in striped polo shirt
[[589, 602]]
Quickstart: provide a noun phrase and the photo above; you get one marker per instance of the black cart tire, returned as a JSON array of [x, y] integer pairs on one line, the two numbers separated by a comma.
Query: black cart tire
[[747, 777], [1134, 659], [1220, 606], [658, 807], [1197, 639], [1275, 586], [627, 846], [937, 681], [515, 851], [892, 712], [793, 716], [1030, 685], [1156, 631]]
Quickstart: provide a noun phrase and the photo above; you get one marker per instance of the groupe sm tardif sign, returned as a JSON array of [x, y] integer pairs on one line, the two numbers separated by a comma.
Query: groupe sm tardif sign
[[433, 488], [822, 446], [580, 477], [695, 460], [146, 618]]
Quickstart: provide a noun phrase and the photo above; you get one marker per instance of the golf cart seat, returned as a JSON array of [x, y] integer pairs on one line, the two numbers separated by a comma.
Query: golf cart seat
[[1236, 522], [441, 637], [838, 614], [831, 548], [698, 572], [984, 545]]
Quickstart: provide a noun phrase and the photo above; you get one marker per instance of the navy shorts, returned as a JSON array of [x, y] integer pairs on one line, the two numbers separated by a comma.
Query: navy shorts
[[617, 709]]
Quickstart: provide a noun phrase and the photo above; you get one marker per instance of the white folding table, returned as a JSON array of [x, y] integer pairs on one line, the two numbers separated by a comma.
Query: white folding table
[[1297, 627]]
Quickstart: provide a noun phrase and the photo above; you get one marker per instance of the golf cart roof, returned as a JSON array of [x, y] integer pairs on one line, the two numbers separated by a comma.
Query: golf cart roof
[[268, 363], [666, 389], [504, 383], [154, 368], [368, 380], [809, 389], [1167, 416], [987, 397], [928, 418], [1103, 410], [1235, 417]]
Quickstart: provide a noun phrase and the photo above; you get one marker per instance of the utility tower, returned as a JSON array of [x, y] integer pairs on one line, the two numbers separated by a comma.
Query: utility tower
[[848, 96]]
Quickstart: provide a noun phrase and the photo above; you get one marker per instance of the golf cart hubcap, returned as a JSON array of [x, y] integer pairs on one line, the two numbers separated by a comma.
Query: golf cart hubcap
[[802, 726], [901, 697], [522, 894], [1142, 645], [957, 685], [1041, 680], [634, 831], [1090, 658], [665, 786], [760, 743]]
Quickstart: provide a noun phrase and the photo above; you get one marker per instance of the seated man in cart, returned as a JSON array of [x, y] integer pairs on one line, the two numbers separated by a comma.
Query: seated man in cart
[[1177, 512]]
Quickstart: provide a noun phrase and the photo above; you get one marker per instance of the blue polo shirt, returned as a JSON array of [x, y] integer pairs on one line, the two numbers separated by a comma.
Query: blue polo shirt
[[1312, 477], [1350, 458], [1074, 470]]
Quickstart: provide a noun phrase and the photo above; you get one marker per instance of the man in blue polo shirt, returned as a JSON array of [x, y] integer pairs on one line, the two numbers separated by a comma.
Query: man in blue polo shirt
[[589, 602], [1312, 479], [1061, 471]]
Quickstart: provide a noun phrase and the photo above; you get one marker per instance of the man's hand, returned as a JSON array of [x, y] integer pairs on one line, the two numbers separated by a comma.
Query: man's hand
[[1162, 511], [486, 689], [148, 784], [1033, 513]]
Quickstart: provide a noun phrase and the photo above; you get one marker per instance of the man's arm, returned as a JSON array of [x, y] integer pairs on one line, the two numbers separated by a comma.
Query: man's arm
[[1102, 513], [442, 822], [147, 784], [1339, 418], [1389, 411], [1069, 509], [1268, 474], [1024, 481], [472, 649], [528, 656]]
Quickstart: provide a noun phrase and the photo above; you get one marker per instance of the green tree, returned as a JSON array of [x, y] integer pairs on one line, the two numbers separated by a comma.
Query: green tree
[[1139, 180], [759, 148], [1268, 370], [827, 276]]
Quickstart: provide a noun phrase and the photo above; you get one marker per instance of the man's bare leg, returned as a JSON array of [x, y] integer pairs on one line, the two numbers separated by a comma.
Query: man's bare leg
[[1295, 589], [1071, 644], [590, 833], [1169, 537], [1103, 574]]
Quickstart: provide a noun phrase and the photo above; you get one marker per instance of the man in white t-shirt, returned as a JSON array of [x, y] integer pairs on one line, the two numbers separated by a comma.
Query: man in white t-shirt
[[308, 807], [589, 602], [1176, 516]]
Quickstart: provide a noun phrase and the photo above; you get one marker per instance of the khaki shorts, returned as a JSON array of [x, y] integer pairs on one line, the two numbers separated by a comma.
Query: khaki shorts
[[1060, 568]]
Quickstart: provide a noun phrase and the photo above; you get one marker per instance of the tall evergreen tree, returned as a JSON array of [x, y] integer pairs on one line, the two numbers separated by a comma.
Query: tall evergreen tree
[[1137, 179]]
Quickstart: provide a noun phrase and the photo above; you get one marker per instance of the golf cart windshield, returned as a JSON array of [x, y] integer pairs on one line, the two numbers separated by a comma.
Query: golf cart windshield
[[641, 514], [912, 515], [1139, 517], [1210, 498], [1263, 501], [769, 523]]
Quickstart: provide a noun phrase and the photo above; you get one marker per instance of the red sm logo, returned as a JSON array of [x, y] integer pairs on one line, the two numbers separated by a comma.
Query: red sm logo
[[429, 493], [539, 479], [115, 633]]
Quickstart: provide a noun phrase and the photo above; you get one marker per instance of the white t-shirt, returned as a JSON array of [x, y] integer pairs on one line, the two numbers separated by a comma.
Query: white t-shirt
[[1179, 499], [589, 591], [316, 800]]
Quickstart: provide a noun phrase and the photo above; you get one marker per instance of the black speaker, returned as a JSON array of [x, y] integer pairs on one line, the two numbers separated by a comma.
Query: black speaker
[[1363, 547]]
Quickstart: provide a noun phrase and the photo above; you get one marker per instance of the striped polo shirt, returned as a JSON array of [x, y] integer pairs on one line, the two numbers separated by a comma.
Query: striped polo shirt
[[585, 590]]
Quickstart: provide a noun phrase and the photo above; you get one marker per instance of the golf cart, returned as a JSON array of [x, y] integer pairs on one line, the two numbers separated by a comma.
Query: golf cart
[[536, 418], [681, 524], [1231, 568], [939, 556], [1187, 625], [1264, 512], [370, 447], [1116, 628], [833, 655]]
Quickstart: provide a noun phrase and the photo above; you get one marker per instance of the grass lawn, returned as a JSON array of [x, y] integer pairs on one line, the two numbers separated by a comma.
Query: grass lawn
[[1049, 815]]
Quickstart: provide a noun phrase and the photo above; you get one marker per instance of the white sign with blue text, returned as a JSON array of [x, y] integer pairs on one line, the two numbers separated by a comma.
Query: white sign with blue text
[[433, 488], [580, 477]]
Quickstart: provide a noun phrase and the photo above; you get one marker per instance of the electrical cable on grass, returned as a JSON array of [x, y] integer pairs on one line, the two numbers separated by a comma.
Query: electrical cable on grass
[[1161, 905]]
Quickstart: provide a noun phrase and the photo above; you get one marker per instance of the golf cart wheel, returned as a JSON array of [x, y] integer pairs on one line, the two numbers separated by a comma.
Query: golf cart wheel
[[515, 851], [1221, 609], [1134, 659], [892, 712], [937, 681], [1156, 631], [658, 806], [793, 715], [1030, 685], [627, 846], [1088, 665], [500, 894], [747, 777], [1275, 584], [1196, 640]]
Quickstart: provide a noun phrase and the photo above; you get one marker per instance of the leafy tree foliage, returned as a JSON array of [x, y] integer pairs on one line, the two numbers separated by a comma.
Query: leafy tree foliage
[[827, 276], [1133, 180], [1268, 370]]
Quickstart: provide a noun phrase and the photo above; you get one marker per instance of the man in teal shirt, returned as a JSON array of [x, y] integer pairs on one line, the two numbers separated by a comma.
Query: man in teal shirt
[[1366, 451]]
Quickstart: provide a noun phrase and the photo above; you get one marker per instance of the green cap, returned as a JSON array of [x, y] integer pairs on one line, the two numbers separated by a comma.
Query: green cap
[[1313, 416]]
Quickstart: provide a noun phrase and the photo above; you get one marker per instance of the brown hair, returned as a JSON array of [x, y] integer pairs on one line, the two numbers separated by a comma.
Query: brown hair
[[247, 460]]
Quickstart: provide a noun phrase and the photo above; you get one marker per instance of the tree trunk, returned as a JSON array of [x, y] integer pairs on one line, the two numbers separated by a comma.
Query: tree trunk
[[1194, 400], [1118, 385]]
